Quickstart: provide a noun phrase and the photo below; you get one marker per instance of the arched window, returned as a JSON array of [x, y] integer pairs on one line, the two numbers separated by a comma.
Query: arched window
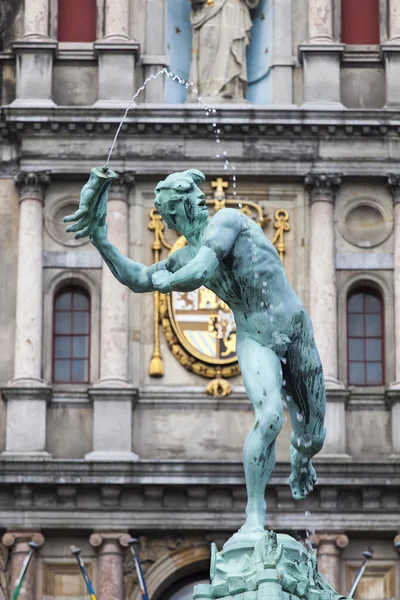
[[365, 351], [77, 20], [360, 22], [71, 336]]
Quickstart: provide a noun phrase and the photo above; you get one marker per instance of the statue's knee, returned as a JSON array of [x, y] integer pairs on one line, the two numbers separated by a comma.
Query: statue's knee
[[309, 444], [270, 423]]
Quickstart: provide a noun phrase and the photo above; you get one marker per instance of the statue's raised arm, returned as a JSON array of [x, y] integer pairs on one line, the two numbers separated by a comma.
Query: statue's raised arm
[[90, 220]]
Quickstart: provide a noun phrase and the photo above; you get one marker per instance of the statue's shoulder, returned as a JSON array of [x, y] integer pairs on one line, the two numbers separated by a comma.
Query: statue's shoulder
[[227, 216]]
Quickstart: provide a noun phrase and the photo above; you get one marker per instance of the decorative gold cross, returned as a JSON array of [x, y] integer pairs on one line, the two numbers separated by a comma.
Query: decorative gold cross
[[219, 185], [210, 2]]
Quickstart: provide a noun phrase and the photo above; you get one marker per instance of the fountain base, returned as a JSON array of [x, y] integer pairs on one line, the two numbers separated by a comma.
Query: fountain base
[[263, 565]]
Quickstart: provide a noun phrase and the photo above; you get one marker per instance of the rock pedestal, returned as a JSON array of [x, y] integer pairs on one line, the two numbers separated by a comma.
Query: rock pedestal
[[264, 566]]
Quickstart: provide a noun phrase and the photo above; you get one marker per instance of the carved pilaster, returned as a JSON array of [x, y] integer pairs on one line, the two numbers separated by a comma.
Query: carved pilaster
[[329, 546], [322, 187], [18, 542], [109, 547]]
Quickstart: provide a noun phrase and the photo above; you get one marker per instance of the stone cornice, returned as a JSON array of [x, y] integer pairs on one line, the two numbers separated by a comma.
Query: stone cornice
[[189, 120]]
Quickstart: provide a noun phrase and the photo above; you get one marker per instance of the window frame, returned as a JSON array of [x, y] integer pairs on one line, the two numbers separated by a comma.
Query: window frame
[[376, 294], [382, 281], [71, 289], [53, 283]]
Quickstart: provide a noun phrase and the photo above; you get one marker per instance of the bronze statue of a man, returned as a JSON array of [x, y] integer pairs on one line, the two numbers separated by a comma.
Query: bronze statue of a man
[[221, 34], [230, 255]]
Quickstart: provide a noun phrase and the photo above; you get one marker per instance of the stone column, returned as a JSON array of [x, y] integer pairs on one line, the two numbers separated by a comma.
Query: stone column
[[391, 52], [109, 547], [155, 58], [329, 546], [282, 63], [323, 302], [394, 392], [34, 57], [321, 58], [117, 54], [113, 396], [18, 541], [27, 394], [394, 186]]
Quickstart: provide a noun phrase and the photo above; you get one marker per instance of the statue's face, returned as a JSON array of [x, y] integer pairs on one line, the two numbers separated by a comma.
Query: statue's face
[[182, 210]]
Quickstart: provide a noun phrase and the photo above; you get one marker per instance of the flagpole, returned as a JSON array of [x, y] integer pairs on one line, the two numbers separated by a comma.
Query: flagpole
[[139, 572], [77, 553], [368, 554], [20, 581]]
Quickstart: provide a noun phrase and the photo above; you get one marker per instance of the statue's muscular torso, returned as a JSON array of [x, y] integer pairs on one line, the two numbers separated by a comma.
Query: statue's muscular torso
[[252, 281]]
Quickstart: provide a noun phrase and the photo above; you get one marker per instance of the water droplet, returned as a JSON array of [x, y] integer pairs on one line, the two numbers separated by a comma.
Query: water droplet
[[254, 258], [217, 155], [289, 398], [214, 110], [299, 417], [304, 460], [256, 275], [214, 125], [271, 319], [284, 382], [233, 168], [263, 291], [225, 153], [218, 141], [271, 306], [307, 513], [225, 167], [261, 304], [241, 206], [284, 404], [284, 360], [234, 178], [218, 131], [303, 470], [305, 441], [264, 284]]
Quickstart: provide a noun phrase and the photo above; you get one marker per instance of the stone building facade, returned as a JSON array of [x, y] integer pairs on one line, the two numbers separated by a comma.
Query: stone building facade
[[116, 435]]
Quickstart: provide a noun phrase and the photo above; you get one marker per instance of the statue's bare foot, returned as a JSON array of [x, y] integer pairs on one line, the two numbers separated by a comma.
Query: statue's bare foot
[[303, 475]]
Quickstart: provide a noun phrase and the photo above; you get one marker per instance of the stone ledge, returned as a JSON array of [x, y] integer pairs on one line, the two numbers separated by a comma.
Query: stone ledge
[[331, 472]]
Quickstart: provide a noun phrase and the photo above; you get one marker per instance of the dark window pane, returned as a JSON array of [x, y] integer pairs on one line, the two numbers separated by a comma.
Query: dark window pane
[[356, 373], [63, 322], [374, 374], [63, 301], [62, 347], [79, 370], [356, 325], [356, 303], [81, 346], [374, 349], [81, 322], [372, 304], [81, 301], [61, 370], [356, 349], [373, 325]]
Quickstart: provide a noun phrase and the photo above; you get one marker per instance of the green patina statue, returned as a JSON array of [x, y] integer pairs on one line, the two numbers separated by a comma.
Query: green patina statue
[[230, 255]]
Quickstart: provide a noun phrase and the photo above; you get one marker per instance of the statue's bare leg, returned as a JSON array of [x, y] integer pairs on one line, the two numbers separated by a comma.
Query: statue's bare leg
[[304, 391], [262, 378]]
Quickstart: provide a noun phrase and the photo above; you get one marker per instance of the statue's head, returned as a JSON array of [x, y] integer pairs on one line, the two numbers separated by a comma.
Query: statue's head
[[180, 201]]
